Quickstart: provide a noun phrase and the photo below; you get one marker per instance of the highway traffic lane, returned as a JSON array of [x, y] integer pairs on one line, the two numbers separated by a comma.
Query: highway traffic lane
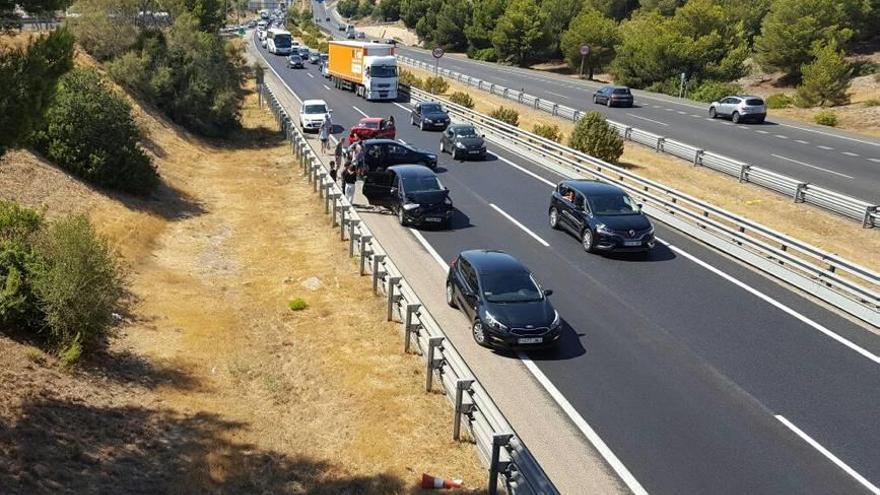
[[398, 117]]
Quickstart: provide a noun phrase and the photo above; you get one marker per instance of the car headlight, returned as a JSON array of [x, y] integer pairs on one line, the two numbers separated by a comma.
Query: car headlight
[[410, 206], [603, 229], [556, 319], [460, 145], [493, 322], [432, 156], [427, 120]]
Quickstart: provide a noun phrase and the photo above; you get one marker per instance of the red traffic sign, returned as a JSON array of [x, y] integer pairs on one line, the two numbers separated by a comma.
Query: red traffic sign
[[437, 52], [585, 50]]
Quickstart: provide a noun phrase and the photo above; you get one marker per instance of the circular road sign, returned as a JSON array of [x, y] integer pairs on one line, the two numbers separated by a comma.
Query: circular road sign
[[585, 50], [437, 52]]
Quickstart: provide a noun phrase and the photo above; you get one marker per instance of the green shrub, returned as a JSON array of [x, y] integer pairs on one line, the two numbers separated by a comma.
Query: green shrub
[[89, 131], [595, 137], [826, 117], [779, 100], [436, 85], [669, 87], [872, 102], [548, 131], [298, 304], [485, 54], [505, 114], [407, 78], [78, 283], [18, 304], [825, 79], [713, 91], [462, 98]]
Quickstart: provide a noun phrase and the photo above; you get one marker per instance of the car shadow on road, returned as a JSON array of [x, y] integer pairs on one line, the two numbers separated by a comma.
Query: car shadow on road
[[660, 252]]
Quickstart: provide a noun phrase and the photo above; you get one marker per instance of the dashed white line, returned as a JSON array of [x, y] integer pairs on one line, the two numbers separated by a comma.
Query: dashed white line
[[697, 116], [668, 109], [833, 458], [805, 164], [823, 147], [520, 225], [526, 171], [310, 75], [326, 87], [801, 141], [849, 153], [645, 118], [680, 112], [557, 94], [656, 106], [744, 127], [875, 160], [761, 132], [780, 136], [358, 110]]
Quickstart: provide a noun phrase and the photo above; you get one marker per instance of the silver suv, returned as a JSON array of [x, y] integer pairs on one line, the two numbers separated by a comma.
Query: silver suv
[[739, 109]]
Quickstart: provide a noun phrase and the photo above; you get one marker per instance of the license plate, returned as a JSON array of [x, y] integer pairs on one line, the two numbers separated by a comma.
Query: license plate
[[632, 243], [530, 340], [473, 152], [434, 220]]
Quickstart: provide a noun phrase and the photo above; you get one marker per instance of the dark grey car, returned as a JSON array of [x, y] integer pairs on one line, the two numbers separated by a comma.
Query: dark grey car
[[429, 115], [462, 142], [612, 96]]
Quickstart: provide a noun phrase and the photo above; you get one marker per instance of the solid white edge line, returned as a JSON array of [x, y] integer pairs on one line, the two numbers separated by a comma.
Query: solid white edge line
[[358, 110], [569, 410], [520, 225], [649, 120], [525, 170], [833, 458], [864, 352], [805, 164], [401, 106]]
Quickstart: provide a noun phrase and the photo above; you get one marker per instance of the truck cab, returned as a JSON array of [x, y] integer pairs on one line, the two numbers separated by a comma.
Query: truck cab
[[380, 78]]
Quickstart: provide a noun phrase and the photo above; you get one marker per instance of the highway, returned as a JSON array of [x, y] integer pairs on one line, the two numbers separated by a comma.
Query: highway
[[844, 162], [700, 375]]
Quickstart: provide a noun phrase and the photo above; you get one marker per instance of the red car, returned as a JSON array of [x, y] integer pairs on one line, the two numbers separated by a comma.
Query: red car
[[372, 128]]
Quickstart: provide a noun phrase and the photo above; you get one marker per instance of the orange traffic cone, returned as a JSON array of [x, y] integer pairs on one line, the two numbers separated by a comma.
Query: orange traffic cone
[[429, 481]]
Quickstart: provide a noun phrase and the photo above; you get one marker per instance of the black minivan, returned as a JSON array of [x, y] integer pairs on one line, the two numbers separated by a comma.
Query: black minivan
[[413, 192], [601, 215], [500, 296]]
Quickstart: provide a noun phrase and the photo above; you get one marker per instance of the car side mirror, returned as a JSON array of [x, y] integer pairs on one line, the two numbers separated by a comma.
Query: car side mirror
[[548, 292]]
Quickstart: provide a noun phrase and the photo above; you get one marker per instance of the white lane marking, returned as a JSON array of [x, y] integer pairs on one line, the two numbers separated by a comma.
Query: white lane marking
[[773, 302], [656, 106], [680, 112], [697, 116], [872, 143], [401, 106], [780, 136], [520, 225], [849, 153], [525, 171], [761, 132], [744, 127], [710, 119], [557, 94], [310, 75], [326, 87], [875, 160], [358, 110], [801, 141], [668, 109], [645, 118], [831, 457], [401, 140], [805, 164], [560, 399], [822, 147]]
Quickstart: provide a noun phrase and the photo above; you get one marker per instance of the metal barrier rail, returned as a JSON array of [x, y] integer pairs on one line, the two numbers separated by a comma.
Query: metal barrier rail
[[833, 279], [498, 446], [802, 192]]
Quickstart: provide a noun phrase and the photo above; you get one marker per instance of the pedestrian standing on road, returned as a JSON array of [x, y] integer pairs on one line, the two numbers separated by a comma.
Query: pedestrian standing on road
[[391, 121], [333, 170], [324, 134], [349, 178], [339, 148]]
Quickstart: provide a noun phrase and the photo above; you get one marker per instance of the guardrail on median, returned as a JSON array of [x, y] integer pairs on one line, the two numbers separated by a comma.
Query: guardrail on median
[[498, 446], [800, 191], [833, 279]]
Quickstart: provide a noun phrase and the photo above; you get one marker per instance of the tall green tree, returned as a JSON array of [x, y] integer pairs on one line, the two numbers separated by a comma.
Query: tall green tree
[[521, 32], [615, 9], [665, 7], [484, 16], [560, 14], [592, 28], [388, 10], [454, 15], [825, 79]]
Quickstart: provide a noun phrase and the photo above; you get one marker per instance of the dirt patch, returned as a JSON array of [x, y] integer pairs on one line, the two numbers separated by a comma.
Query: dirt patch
[[212, 384], [396, 31], [825, 230]]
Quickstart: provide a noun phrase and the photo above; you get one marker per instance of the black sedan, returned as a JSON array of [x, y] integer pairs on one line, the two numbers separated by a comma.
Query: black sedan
[[429, 115], [502, 300], [382, 153], [602, 216], [295, 62], [613, 96], [413, 192], [462, 142]]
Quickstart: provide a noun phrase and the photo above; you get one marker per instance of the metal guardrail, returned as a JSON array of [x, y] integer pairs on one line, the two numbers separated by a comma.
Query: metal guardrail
[[800, 191], [833, 279], [498, 446]]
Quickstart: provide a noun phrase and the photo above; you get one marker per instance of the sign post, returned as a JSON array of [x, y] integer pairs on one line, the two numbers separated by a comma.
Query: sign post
[[585, 52], [437, 53]]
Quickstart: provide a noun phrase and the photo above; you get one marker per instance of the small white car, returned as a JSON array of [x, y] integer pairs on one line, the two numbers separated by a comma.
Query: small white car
[[312, 114]]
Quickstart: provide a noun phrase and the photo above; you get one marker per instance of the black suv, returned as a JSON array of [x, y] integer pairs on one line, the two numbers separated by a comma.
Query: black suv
[[501, 298], [602, 216], [462, 141], [413, 192], [382, 153], [429, 115]]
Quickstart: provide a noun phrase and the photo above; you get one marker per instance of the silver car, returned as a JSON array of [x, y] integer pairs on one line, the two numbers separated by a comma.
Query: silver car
[[739, 109]]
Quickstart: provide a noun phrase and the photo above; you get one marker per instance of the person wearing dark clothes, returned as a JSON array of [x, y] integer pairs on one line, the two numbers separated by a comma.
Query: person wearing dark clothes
[[349, 178], [333, 170]]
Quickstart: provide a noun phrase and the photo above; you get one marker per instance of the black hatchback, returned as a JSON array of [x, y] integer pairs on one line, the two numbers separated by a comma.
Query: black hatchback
[[501, 298], [462, 142], [413, 192], [613, 96], [382, 153], [601, 215], [429, 115]]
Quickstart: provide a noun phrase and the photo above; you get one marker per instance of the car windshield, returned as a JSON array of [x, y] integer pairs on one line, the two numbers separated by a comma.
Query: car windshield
[[383, 71], [370, 124], [754, 102], [421, 183], [510, 287], [282, 40], [295, 58], [431, 108], [613, 204], [621, 91], [466, 132], [315, 109]]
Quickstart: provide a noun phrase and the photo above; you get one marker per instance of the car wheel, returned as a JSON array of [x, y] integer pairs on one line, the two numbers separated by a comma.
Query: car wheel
[[712, 113], [760, 120], [455, 154], [412, 120], [587, 240], [400, 216], [608, 102], [595, 100], [554, 218], [422, 125], [479, 334], [735, 117], [450, 299], [442, 147]]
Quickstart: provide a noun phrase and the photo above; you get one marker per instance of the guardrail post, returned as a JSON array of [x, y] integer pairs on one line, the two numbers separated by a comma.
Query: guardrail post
[[576, 115], [365, 252], [352, 223], [504, 93], [538, 103], [431, 363], [326, 194], [627, 133], [744, 172], [868, 222], [698, 157], [377, 274], [342, 223], [392, 297], [555, 109], [408, 326], [799, 192], [332, 198], [319, 182], [460, 386], [660, 141], [495, 465]]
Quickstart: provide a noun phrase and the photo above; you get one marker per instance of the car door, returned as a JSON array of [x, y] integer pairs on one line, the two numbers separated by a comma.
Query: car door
[[566, 208], [729, 105], [447, 139], [580, 212], [416, 114], [378, 188], [470, 290]]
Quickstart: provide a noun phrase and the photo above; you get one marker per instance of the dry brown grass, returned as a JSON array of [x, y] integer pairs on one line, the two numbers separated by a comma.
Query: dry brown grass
[[809, 224]]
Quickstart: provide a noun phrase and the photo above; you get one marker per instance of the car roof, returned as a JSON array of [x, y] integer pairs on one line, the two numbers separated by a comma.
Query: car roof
[[382, 141], [371, 119], [412, 170], [491, 260], [314, 102], [588, 186], [743, 97]]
